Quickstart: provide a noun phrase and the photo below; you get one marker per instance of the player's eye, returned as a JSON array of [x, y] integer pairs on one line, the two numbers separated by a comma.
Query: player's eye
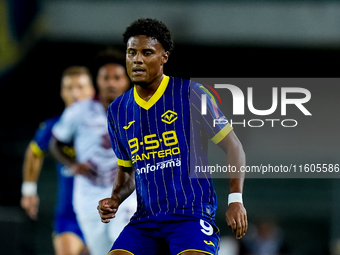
[[148, 53], [131, 53]]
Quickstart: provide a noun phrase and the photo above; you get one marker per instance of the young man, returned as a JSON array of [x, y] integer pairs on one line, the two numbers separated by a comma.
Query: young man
[[95, 165], [76, 84], [151, 133]]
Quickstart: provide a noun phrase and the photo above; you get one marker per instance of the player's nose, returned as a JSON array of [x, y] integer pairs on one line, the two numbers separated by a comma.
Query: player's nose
[[112, 83], [76, 95], [138, 58]]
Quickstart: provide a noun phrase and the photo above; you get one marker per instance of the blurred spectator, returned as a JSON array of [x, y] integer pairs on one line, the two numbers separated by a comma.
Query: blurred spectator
[[264, 238]]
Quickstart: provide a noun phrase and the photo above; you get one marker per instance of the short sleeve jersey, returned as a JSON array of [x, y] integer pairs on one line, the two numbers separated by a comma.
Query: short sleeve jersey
[[85, 123], [155, 137]]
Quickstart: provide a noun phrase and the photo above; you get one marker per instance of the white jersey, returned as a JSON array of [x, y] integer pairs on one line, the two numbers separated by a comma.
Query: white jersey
[[85, 123]]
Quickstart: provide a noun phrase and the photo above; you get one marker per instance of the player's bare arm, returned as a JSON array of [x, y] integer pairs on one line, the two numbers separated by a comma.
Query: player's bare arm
[[56, 149], [236, 215], [31, 170], [123, 187]]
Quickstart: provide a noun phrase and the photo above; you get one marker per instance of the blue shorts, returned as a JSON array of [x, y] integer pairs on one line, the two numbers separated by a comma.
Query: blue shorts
[[67, 224], [168, 234]]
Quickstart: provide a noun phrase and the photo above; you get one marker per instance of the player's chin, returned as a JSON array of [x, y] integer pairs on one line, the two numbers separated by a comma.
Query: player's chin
[[140, 83], [139, 80]]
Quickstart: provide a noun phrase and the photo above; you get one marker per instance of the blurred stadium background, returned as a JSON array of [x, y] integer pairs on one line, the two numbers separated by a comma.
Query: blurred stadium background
[[216, 38]]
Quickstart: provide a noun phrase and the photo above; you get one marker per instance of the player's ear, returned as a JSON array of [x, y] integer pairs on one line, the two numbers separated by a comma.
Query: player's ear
[[165, 57]]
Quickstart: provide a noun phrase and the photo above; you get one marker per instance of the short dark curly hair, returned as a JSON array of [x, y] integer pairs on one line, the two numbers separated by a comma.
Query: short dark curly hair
[[151, 28]]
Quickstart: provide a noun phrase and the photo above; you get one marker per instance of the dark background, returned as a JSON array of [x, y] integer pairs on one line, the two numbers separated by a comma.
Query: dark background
[[305, 209]]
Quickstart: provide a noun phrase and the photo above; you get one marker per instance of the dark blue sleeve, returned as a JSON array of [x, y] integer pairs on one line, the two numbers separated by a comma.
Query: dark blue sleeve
[[43, 134]]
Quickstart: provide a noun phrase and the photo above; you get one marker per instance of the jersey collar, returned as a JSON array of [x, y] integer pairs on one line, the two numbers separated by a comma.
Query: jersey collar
[[159, 92]]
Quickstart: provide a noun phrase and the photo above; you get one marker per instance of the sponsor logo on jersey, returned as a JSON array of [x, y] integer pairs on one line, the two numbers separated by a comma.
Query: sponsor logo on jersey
[[159, 165]]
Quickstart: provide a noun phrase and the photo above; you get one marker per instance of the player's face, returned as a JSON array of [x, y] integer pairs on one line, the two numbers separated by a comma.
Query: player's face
[[76, 87], [145, 58], [112, 81]]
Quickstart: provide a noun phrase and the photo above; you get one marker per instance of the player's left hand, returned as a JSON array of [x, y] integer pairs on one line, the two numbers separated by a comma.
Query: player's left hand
[[236, 217]]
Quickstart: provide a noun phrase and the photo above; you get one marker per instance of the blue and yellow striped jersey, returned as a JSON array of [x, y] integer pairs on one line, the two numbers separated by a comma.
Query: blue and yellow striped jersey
[[161, 138]]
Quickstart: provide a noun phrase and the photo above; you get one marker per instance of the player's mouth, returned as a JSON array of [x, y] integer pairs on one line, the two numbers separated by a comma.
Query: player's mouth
[[138, 71], [110, 89]]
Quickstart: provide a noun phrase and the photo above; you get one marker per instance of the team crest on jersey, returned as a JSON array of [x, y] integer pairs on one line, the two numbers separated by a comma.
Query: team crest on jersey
[[169, 117]]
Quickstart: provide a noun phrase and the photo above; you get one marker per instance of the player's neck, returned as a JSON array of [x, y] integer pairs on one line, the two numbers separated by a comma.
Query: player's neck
[[146, 91], [105, 101]]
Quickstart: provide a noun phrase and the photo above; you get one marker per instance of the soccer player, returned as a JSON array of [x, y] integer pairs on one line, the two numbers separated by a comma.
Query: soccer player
[[95, 165], [76, 84], [154, 139]]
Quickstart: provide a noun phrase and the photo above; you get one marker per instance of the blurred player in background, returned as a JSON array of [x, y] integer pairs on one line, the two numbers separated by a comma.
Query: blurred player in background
[[76, 84], [150, 128], [264, 238], [95, 165]]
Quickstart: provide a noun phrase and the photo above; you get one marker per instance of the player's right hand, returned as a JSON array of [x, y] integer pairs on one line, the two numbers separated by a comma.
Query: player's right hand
[[30, 204], [107, 208]]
